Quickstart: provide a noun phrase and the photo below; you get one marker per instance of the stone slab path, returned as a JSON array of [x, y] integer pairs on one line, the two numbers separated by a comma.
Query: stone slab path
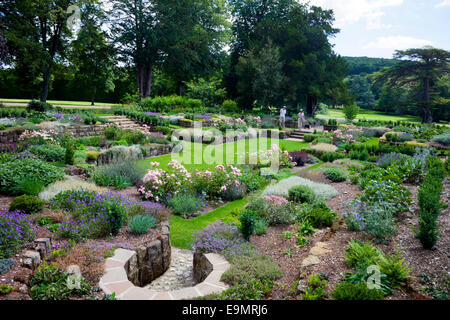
[[116, 280]]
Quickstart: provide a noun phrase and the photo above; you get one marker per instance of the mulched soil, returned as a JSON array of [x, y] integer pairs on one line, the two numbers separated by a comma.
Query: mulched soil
[[432, 262]]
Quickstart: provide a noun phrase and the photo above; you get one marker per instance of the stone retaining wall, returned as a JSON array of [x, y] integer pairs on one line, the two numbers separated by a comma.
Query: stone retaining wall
[[151, 261], [123, 267], [10, 135]]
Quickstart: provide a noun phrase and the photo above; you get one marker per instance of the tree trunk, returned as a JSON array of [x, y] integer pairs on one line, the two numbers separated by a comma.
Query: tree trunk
[[46, 83], [427, 117], [311, 105], [144, 80], [94, 90], [181, 88]]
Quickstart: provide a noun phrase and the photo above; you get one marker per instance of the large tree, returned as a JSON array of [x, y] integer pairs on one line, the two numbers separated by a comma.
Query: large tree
[[181, 36], [91, 54], [261, 75], [196, 32], [359, 87], [312, 70], [134, 26], [420, 67], [36, 32]]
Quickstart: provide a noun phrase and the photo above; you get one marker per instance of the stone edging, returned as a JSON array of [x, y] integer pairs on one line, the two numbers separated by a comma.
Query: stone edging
[[116, 280]]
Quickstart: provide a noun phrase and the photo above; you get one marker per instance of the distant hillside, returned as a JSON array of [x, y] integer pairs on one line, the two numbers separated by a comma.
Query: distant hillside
[[367, 65]]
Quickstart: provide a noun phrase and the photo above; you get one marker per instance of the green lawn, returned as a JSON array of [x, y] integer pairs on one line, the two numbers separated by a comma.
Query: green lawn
[[370, 115], [61, 102], [192, 158], [181, 230]]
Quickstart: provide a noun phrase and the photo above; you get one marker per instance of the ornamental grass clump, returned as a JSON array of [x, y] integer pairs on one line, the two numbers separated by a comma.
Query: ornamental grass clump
[[16, 230], [140, 224]]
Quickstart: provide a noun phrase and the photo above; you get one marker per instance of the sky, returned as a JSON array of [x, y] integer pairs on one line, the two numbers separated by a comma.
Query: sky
[[376, 28]]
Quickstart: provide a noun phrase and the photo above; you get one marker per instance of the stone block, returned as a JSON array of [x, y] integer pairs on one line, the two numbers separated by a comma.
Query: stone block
[[32, 259]]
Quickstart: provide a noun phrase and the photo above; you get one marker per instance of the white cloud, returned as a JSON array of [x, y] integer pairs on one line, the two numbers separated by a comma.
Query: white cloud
[[352, 11], [397, 43], [444, 3]]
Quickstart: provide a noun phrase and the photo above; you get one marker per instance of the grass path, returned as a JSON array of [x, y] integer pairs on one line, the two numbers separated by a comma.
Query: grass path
[[182, 230], [60, 102], [370, 115]]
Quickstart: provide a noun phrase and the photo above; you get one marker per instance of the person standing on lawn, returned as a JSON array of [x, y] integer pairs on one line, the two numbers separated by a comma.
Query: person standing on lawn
[[282, 117], [301, 119]]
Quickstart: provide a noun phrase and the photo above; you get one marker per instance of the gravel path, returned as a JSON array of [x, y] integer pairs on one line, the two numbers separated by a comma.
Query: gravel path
[[179, 275]]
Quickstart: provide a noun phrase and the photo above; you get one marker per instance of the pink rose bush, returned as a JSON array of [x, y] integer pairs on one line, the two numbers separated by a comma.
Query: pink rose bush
[[266, 158], [160, 185]]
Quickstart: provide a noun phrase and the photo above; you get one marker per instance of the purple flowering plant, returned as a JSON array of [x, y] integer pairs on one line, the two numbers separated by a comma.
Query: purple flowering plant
[[16, 230], [220, 238], [91, 212]]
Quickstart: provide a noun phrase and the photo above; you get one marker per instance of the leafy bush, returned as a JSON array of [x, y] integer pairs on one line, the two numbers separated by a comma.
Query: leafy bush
[[351, 112], [396, 273], [247, 268], [49, 152], [247, 219], [260, 227], [316, 288], [92, 155], [38, 106], [230, 106], [5, 289], [253, 180], [375, 220], [274, 210], [119, 175], [220, 238], [350, 291], [335, 174], [320, 215], [302, 194], [13, 172], [299, 157], [140, 224], [443, 139], [164, 104], [388, 159], [115, 215], [361, 255], [51, 283], [322, 191], [429, 202], [186, 205], [97, 214], [16, 230], [255, 290], [27, 204]]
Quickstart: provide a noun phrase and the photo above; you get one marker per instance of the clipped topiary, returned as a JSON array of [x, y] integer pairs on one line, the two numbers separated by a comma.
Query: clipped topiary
[[27, 204]]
